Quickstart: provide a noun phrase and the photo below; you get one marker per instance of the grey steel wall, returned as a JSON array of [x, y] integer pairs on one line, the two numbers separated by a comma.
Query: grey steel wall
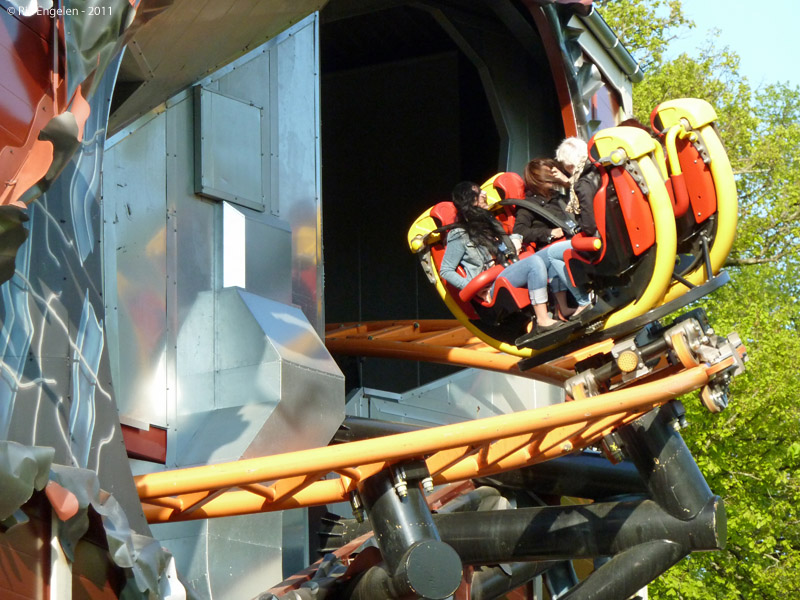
[[213, 278], [468, 394], [55, 383], [167, 246]]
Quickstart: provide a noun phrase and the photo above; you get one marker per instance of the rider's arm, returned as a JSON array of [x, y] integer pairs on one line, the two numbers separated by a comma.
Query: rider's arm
[[456, 248], [585, 188]]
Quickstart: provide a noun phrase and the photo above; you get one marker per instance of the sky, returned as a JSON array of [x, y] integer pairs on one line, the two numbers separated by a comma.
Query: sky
[[764, 34]]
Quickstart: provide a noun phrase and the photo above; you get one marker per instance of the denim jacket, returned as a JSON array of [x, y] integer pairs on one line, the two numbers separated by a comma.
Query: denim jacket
[[461, 250]]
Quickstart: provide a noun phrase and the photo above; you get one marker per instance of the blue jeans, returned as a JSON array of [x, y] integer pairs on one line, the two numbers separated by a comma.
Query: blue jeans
[[553, 258], [531, 273]]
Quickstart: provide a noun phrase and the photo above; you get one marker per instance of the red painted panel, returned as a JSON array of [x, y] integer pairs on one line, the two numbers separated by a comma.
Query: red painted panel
[[146, 445], [699, 182], [635, 210]]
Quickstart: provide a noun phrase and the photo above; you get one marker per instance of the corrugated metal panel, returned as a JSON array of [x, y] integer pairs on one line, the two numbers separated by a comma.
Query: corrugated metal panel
[[228, 149], [192, 38], [239, 372], [136, 206], [468, 394]]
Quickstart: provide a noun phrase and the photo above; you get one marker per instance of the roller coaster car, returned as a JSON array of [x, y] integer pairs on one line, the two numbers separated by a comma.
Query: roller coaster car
[[508, 312], [701, 187], [650, 248], [635, 226]]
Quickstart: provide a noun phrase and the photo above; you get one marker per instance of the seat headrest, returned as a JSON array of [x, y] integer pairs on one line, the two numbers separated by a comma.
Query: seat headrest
[[510, 186], [444, 213]]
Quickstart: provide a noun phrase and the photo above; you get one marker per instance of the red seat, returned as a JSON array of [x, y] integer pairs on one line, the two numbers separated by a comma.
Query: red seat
[[636, 211], [444, 213], [694, 186], [625, 227], [702, 196], [505, 296], [509, 186], [692, 189]]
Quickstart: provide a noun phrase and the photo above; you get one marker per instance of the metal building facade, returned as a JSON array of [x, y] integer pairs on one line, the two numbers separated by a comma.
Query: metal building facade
[[212, 239]]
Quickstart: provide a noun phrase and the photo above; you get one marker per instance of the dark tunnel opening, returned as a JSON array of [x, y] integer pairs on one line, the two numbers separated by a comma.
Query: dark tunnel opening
[[404, 117]]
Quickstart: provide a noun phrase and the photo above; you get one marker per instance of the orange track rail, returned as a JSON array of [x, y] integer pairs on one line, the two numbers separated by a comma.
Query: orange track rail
[[455, 452], [443, 341]]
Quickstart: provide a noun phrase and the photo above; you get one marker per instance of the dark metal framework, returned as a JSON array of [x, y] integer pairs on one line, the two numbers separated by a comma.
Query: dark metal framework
[[667, 513]]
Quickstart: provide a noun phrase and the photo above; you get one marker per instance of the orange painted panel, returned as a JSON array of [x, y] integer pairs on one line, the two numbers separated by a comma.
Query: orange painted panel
[[25, 67], [25, 559]]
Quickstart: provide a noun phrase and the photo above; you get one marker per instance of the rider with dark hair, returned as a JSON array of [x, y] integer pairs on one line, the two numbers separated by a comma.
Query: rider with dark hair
[[543, 183], [473, 216], [475, 243], [576, 172], [542, 180]]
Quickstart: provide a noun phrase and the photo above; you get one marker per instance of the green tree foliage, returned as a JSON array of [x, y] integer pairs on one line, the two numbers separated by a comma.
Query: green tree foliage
[[645, 27], [750, 453]]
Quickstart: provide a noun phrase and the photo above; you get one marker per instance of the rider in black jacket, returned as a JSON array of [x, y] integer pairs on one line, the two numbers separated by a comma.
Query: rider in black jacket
[[543, 179], [538, 225]]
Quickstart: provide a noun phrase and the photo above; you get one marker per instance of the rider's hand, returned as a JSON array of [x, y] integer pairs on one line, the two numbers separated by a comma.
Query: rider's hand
[[485, 295], [559, 176], [556, 233]]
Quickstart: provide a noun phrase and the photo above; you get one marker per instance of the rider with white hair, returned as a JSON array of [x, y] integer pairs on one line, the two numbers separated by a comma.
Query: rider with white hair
[[584, 181]]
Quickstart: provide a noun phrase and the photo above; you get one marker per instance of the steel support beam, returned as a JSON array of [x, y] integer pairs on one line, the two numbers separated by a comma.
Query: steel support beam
[[417, 561], [665, 464], [489, 583], [643, 537], [578, 531], [675, 482], [568, 532], [581, 475]]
